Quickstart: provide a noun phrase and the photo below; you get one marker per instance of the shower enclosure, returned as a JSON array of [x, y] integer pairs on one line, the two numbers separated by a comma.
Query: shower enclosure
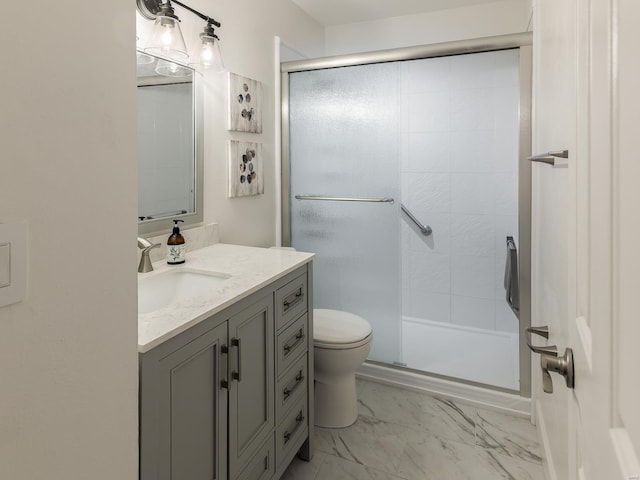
[[406, 172]]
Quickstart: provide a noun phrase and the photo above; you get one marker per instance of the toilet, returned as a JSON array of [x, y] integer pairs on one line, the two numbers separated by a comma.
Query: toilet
[[341, 343]]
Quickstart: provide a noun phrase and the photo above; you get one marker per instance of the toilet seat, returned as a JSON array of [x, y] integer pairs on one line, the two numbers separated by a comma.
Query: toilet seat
[[336, 329]]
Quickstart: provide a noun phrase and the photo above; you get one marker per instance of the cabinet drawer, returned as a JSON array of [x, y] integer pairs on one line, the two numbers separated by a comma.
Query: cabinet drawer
[[262, 465], [291, 301], [291, 386], [292, 342], [291, 433]]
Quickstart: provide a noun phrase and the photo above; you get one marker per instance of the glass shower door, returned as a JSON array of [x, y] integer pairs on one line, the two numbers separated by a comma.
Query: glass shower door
[[344, 150]]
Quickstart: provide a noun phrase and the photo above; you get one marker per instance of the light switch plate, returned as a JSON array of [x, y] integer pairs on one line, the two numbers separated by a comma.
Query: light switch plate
[[13, 263]]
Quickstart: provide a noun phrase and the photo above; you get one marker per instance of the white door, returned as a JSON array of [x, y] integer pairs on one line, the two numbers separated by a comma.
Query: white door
[[554, 128], [603, 221]]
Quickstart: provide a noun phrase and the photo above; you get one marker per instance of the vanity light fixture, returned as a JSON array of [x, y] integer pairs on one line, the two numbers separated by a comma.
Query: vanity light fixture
[[167, 40], [210, 55]]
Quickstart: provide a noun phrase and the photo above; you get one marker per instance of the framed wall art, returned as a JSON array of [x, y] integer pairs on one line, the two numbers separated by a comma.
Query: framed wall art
[[245, 104], [245, 169]]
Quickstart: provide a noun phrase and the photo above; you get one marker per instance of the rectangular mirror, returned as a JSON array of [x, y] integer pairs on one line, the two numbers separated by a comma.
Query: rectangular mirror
[[169, 144]]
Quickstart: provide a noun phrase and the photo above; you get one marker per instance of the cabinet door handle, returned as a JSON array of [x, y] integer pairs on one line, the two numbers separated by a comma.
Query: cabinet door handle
[[298, 338], [224, 350], [288, 391], [296, 299], [287, 434], [235, 342]]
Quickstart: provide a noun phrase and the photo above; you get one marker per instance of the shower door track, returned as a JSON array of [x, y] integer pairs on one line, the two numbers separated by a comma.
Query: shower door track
[[523, 42]]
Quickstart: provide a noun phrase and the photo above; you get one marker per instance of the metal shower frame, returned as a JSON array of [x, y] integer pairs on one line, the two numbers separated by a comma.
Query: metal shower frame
[[521, 41]]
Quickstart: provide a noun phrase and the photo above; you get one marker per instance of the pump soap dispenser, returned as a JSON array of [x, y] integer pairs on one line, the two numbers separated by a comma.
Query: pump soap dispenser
[[176, 247]]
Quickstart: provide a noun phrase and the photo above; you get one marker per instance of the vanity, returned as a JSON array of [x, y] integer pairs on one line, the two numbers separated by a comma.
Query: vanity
[[226, 365]]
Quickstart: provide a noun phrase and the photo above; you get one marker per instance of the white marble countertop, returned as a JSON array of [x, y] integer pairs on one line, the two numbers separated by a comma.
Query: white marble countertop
[[251, 268]]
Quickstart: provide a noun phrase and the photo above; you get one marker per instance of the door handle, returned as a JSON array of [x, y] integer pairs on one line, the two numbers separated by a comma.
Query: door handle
[[562, 365]]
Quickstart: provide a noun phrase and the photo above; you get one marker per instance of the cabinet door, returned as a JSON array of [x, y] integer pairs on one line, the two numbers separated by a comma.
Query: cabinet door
[[251, 382], [191, 411]]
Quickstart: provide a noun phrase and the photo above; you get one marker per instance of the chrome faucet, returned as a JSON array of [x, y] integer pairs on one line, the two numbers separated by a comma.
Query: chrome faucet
[[145, 262]]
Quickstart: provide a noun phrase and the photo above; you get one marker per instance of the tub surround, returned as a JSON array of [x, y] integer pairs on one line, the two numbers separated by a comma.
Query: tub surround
[[250, 268]]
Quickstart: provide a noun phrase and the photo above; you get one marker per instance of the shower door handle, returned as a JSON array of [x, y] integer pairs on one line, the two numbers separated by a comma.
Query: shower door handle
[[511, 277]]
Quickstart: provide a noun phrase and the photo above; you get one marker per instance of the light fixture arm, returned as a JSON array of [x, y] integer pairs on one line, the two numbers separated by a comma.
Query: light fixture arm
[[150, 9], [201, 15]]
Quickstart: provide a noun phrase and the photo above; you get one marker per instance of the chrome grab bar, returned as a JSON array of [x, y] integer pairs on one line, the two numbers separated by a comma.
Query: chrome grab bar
[[550, 157], [543, 332], [425, 229], [346, 199]]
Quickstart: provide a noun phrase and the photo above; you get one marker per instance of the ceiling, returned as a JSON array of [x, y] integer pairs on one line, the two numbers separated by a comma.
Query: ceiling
[[337, 12]]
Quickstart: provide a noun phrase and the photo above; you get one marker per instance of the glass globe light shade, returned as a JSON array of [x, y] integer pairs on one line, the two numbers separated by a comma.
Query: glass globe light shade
[[167, 40]]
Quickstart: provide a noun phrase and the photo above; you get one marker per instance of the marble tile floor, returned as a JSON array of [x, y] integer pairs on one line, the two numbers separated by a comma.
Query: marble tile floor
[[406, 435]]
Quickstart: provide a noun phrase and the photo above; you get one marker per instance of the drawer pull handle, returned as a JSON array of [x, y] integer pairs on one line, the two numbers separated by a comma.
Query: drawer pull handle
[[288, 391], [296, 299], [287, 435], [299, 336]]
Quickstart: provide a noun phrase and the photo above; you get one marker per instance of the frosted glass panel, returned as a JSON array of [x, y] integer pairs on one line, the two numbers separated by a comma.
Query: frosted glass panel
[[344, 130], [459, 171]]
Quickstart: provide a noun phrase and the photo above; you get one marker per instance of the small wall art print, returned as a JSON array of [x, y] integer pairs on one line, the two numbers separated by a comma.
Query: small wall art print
[[245, 169], [245, 104]]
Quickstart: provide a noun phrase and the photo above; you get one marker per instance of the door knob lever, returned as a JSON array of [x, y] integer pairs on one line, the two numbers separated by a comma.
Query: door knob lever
[[562, 365]]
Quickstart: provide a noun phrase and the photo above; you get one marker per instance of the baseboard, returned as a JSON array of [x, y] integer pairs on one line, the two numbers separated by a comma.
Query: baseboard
[[471, 394], [543, 437]]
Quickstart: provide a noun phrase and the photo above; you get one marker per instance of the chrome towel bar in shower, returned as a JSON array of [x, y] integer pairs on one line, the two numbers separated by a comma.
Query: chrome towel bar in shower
[[345, 199], [425, 229], [550, 157]]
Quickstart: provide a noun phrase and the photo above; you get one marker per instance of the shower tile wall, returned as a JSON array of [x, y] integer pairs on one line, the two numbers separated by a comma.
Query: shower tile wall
[[459, 151]]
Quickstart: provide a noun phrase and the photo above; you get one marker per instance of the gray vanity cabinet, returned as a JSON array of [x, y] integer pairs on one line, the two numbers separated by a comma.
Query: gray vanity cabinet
[[251, 384], [183, 414], [231, 398]]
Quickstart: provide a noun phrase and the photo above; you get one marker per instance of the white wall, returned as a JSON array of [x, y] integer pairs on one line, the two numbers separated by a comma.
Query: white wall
[[497, 18], [247, 43], [68, 353]]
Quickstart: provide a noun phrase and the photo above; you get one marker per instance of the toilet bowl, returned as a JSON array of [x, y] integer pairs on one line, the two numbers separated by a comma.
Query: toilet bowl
[[341, 343]]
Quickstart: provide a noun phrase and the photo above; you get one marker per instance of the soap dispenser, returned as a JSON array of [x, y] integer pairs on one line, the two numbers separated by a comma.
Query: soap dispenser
[[176, 247]]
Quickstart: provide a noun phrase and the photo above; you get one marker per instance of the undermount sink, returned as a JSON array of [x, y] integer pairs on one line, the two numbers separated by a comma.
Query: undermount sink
[[161, 290]]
